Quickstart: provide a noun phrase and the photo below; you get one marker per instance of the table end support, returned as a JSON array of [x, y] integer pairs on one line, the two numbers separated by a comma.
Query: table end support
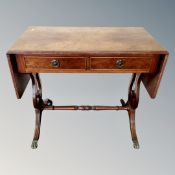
[[132, 103]]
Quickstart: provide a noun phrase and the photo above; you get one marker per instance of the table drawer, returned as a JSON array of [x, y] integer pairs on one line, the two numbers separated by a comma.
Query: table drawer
[[50, 64], [124, 64]]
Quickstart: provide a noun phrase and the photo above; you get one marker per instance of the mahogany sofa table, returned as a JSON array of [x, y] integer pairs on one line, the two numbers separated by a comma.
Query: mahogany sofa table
[[87, 50]]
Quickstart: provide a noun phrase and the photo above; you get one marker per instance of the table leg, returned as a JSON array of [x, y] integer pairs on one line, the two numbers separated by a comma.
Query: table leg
[[39, 105], [132, 103]]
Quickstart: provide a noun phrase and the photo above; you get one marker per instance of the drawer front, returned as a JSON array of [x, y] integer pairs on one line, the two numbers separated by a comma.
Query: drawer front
[[119, 64], [50, 64], [124, 64]]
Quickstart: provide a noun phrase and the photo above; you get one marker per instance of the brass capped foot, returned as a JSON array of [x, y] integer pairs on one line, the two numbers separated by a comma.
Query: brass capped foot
[[136, 144], [34, 144]]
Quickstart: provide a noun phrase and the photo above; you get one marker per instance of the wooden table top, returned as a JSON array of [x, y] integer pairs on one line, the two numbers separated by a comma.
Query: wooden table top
[[86, 40]]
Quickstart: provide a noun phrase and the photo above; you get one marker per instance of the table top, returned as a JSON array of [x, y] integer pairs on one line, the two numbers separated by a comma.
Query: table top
[[86, 40], [117, 42]]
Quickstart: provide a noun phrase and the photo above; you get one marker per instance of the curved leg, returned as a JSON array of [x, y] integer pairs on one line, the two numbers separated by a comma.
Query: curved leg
[[132, 103], [38, 105]]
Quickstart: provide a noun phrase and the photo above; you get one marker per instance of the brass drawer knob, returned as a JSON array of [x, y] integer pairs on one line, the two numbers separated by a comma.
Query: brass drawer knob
[[55, 63], [120, 63]]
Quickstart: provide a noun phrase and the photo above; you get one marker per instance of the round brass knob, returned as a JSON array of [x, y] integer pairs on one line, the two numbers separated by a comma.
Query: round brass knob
[[120, 63], [55, 63]]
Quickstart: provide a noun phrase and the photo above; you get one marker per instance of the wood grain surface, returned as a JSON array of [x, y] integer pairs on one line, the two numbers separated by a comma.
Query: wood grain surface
[[86, 39]]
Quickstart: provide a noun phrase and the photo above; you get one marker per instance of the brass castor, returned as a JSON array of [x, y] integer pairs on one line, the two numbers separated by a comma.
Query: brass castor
[[34, 144], [136, 144]]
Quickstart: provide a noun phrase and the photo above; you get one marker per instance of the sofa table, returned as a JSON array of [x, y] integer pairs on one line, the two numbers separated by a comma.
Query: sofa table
[[87, 50]]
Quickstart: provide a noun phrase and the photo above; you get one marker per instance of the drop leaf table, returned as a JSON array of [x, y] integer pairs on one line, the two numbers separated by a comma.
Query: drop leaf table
[[87, 50]]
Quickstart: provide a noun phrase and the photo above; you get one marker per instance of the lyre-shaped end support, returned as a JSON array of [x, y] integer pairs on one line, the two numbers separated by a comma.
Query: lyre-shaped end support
[[133, 100], [39, 105]]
